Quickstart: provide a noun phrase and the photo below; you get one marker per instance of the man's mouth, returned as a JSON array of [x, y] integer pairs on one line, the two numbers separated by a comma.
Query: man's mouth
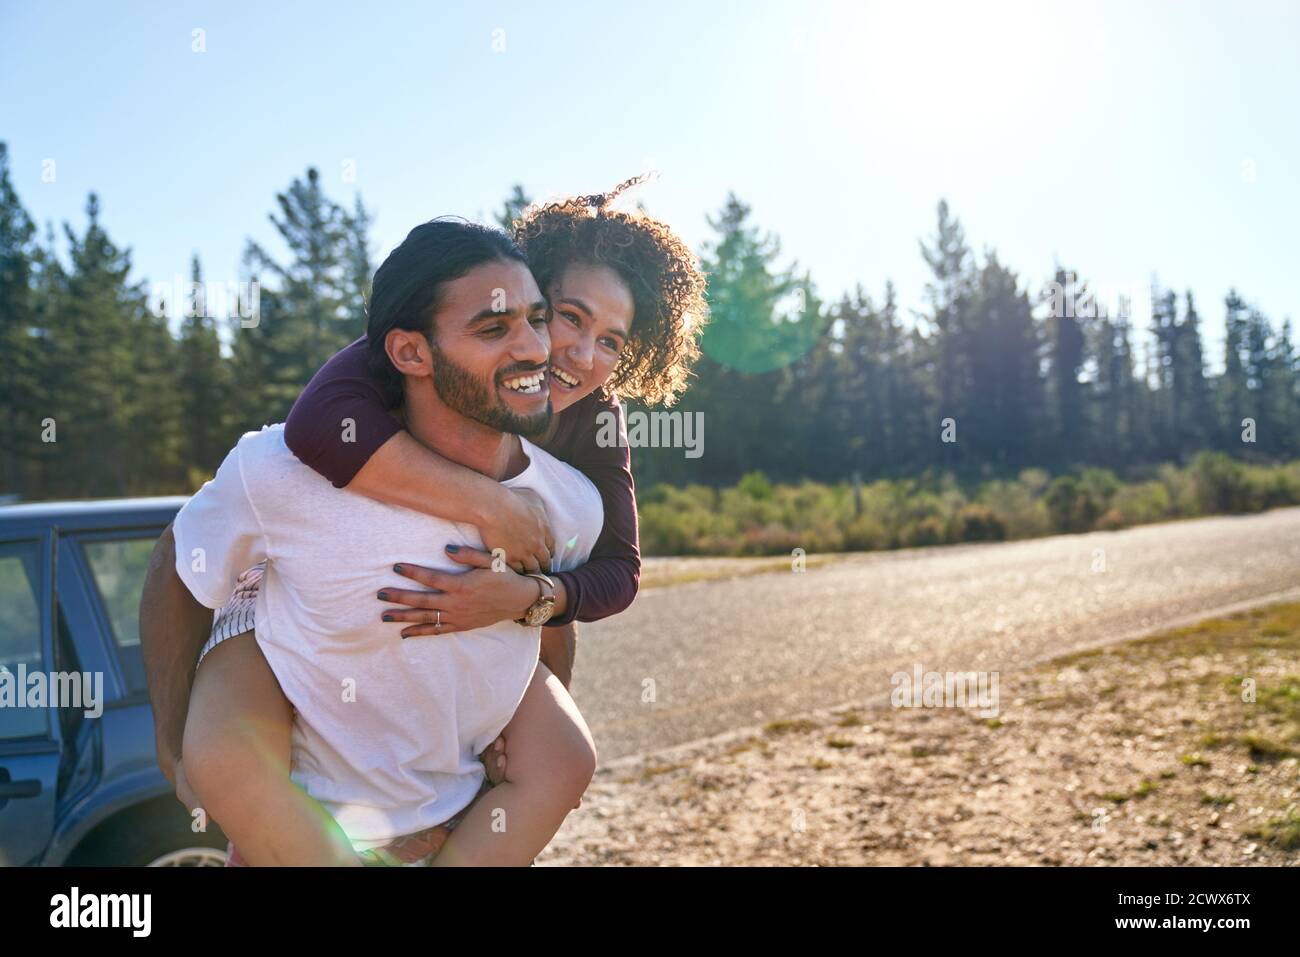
[[565, 379], [530, 384]]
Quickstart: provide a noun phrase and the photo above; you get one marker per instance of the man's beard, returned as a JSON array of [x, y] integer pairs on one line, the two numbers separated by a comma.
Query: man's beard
[[464, 392]]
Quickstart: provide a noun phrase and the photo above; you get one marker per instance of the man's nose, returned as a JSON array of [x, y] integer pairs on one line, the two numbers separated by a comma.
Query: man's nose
[[532, 344]]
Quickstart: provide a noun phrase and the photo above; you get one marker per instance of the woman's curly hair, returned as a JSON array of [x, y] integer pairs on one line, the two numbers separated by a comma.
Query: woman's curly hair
[[660, 270]]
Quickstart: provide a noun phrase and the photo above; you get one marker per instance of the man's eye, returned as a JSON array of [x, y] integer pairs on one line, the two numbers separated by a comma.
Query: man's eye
[[572, 317], [543, 318], [492, 332]]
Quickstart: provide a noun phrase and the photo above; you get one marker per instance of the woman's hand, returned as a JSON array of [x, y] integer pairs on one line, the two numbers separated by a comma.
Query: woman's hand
[[459, 601], [517, 524], [494, 760]]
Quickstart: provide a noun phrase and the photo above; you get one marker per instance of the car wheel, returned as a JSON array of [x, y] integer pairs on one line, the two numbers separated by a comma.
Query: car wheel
[[191, 857], [153, 834]]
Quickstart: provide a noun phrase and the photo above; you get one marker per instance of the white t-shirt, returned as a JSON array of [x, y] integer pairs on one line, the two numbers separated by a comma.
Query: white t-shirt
[[388, 731]]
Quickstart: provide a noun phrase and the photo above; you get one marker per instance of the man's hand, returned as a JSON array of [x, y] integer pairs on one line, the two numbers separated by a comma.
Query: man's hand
[[184, 793]]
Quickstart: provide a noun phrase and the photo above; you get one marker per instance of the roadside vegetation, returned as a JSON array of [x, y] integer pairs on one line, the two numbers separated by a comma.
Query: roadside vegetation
[[758, 517]]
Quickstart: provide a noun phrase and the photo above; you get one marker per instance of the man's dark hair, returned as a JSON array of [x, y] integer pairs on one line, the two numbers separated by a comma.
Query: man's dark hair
[[406, 288]]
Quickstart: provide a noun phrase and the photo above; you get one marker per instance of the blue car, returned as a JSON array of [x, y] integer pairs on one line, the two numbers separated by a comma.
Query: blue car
[[79, 782]]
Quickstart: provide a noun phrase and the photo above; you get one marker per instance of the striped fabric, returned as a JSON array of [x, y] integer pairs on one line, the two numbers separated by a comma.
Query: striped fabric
[[239, 614]]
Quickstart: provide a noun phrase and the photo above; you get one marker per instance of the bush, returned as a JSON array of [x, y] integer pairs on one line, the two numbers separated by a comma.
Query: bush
[[1100, 485], [977, 523], [1270, 488], [1220, 483], [1139, 504], [927, 531], [757, 517], [866, 534], [1071, 507], [756, 486], [1021, 512]]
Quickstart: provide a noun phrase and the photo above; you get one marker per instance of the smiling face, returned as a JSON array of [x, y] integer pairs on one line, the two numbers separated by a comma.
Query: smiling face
[[591, 319], [490, 346]]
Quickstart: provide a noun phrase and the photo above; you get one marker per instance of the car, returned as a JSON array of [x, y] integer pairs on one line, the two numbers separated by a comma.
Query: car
[[79, 779]]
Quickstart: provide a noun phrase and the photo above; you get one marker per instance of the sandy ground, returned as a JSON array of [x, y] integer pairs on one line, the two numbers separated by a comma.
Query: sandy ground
[[1143, 753]]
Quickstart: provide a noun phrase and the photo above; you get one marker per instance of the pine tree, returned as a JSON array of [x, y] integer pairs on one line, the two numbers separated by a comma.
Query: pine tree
[[949, 294], [18, 369], [358, 268], [205, 388], [1234, 392], [1191, 390], [308, 304], [1261, 380], [1283, 399], [109, 373], [1066, 339], [1005, 407], [513, 208], [1165, 401], [1112, 425], [762, 319]]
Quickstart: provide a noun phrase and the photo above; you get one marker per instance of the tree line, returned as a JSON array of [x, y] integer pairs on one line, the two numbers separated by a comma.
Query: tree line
[[100, 395], [994, 375]]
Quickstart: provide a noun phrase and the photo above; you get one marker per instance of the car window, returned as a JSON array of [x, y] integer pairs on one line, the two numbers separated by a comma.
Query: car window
[[119, 567], [20, 639]]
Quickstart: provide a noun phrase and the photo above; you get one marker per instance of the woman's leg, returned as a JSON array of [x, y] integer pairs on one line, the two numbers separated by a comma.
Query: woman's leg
[[550, 758], [236, 757]]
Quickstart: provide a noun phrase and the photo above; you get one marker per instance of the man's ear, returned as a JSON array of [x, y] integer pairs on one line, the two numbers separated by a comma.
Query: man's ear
[[409, 352]]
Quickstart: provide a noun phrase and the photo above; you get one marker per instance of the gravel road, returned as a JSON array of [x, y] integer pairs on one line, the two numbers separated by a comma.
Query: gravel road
[[690, 661]]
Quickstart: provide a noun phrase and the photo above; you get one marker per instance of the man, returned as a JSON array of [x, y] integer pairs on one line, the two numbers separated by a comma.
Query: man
[[387, 732]]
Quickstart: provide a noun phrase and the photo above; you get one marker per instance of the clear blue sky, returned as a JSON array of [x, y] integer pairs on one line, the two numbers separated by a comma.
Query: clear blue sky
[[1121, 138]]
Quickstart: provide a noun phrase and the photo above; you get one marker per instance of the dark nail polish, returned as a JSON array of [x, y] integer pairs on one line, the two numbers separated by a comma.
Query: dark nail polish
[[389, 618], [453, 548], [398, 569], [383, 596]]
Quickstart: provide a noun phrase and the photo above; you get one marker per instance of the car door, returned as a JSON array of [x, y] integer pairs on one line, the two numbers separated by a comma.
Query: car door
[[29, 731]]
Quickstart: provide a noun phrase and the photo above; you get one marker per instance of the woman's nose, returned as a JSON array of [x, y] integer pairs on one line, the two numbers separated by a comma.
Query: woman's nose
[[580, 352]]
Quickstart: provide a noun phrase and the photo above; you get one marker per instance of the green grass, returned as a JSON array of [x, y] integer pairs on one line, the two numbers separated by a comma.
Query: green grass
[[1265, 750], [789, 726], [1283, 831]]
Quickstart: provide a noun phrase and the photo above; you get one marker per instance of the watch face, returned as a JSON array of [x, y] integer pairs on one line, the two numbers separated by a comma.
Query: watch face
[[540, 614]]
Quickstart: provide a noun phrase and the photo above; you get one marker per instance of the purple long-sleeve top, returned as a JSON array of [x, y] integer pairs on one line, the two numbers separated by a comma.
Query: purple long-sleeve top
[[343, 389]]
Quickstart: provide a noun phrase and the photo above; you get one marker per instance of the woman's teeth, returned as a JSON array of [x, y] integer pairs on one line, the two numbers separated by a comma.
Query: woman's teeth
[[564, 377], [527, 384]]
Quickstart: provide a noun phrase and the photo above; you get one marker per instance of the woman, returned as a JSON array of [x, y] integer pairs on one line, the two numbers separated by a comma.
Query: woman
[[626, 308]]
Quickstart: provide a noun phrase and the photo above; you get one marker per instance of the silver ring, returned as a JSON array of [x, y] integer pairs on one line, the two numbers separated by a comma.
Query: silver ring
[[437, 621]]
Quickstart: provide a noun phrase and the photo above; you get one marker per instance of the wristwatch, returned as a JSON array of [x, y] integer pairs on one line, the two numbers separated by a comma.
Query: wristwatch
[[540, 611]]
